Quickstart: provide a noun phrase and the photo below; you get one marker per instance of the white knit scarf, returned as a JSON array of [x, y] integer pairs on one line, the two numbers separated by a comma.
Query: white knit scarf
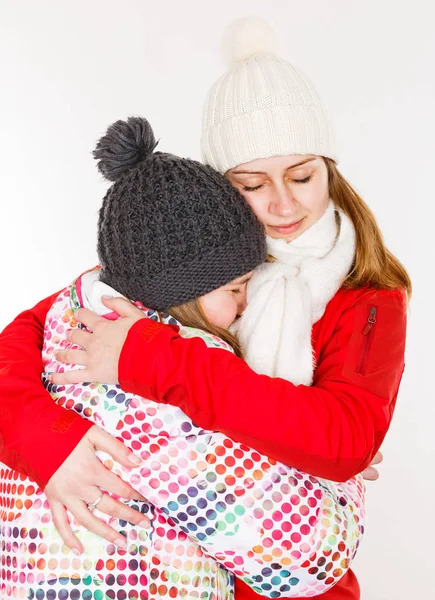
[[286, 297]]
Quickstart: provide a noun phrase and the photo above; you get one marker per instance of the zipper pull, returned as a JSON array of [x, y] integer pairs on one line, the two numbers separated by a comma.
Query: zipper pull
[[370, 321]]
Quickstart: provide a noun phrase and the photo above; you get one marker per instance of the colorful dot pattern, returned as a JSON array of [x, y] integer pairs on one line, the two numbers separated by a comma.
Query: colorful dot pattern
[[217, 508]]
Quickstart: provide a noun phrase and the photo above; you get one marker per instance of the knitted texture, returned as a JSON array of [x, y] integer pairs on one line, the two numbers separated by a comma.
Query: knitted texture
[[170, 229], [261, 107]]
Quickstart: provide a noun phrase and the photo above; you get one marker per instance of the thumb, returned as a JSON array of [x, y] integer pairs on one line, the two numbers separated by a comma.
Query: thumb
[[102, 440], [123, 307]]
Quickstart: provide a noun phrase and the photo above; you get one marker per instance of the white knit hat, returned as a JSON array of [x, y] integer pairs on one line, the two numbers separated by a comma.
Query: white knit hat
[[262, 106]]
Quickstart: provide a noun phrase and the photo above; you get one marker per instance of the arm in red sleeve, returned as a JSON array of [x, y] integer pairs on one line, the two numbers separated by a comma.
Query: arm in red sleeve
[[36, 435], [331, 429]]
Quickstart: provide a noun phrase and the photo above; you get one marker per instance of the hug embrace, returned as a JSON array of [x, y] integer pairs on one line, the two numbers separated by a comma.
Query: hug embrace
[[191, 417]]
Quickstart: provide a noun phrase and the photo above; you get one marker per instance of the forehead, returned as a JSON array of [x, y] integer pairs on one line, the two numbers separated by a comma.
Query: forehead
[[274, 163]]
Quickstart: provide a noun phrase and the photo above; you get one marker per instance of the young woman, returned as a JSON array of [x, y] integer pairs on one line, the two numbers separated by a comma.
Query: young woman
[[262, 110]]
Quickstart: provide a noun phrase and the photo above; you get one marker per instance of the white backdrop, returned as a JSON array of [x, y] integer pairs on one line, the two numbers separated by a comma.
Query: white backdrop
[[68, 69]]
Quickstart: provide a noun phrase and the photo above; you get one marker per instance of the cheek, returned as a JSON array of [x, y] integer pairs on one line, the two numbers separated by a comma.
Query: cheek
[[315, 197], [259, 205], [221, 310], [228, 312], [322, 199]]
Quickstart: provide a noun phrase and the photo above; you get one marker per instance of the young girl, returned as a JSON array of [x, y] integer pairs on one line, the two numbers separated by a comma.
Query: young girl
[[175, 235], [265, 128]]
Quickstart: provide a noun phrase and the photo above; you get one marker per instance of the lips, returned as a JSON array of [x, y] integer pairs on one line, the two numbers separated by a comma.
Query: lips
[[288, 229]]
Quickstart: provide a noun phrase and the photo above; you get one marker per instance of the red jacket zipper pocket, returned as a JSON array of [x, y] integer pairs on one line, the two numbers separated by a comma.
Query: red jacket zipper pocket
[[367, 332]]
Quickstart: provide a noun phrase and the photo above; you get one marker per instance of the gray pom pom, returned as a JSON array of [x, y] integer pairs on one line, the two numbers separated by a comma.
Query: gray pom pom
[[124, 145]]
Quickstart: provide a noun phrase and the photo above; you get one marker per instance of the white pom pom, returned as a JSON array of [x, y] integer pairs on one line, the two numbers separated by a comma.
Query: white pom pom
[[247, 37]]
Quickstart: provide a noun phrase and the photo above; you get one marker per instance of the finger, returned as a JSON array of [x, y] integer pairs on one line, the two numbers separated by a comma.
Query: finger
[[79, 337], [378, 458], [370, 474], [60, 520], [72, 357], [117, 450], [123, 307], [77, 376], [88, 318], [114, 484], [121, 511], [92, 523]]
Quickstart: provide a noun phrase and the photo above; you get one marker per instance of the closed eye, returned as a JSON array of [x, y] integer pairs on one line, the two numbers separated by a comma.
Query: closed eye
[[252, 189], [305, 180]]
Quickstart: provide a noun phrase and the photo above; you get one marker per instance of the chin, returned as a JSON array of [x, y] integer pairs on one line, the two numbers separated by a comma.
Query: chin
[[223, 324]]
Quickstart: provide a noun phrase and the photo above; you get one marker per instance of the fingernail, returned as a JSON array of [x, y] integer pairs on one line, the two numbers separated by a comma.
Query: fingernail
[[144, 523], [136, 460], [76, 552], [120, 542]]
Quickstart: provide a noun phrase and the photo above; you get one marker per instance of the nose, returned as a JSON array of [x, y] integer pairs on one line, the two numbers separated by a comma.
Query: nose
[[282, 204], [242, 301]]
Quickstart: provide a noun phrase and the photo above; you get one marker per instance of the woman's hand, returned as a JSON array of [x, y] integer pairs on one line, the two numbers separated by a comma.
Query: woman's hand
[[371, 474], [102, 348], [79, 481]]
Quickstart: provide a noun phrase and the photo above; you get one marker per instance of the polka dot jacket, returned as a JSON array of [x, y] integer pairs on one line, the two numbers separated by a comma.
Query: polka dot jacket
[[217, 508]]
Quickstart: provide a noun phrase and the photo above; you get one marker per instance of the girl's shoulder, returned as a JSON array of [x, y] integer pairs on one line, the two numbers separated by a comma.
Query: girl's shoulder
[[210, 340]]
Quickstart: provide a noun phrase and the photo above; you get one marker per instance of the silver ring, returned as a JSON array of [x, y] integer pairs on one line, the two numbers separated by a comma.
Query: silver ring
[[93, 505]]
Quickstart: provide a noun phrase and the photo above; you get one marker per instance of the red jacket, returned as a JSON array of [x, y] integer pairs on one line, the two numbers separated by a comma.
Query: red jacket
[[331, 429]]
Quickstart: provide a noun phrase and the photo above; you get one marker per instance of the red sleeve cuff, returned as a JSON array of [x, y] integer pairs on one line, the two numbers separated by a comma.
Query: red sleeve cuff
[[141, 354], [52, 439]]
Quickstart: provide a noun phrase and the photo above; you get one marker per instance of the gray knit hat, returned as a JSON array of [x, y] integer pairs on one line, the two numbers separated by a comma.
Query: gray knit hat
[[170, 229]]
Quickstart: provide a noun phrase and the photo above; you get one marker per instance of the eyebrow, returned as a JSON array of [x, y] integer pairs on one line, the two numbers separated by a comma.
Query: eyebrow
[[242, 281], [299, 164]]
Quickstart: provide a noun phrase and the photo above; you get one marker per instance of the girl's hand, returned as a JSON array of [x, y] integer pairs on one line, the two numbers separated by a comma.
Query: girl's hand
[[102, 348], [371, 474], [79, 481]]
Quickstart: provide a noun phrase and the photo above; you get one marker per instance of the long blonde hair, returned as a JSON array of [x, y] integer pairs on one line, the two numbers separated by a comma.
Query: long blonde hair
[[191, 314], [374, 264]]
